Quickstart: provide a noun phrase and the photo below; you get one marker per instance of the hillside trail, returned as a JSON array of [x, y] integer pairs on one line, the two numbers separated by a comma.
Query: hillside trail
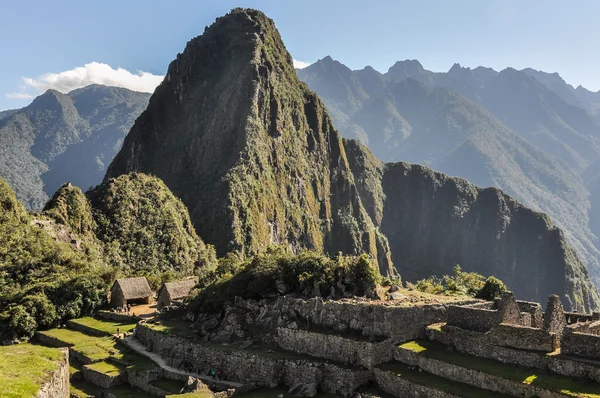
[[135, 345]]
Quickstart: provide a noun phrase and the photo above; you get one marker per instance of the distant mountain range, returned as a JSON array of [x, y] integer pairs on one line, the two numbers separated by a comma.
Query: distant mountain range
[[65, 137], [526, 132]]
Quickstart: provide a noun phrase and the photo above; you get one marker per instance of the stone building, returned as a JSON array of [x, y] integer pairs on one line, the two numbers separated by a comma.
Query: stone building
[[130, 291], [171, 292]]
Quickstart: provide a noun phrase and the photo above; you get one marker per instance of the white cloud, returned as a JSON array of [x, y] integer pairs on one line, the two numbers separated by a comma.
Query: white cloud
[[92, 73], [300, 64], [20, 96]]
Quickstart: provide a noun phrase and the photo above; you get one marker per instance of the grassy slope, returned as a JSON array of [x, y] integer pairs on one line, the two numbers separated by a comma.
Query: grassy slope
[[24, 367]]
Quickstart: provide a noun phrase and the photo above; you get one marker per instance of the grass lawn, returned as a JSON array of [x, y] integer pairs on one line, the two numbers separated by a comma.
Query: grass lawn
[[24, 367], [534, 377], [438, 383], [105, 326], [95, 348], [107, 367], [83, 389], [168, 385]]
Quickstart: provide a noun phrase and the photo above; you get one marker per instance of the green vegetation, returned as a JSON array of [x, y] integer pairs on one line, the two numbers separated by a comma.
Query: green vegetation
[[146, 230], [463, 284], [437, 383], [535, 377], [43, 281], [24, 367], [109, 368], [278, 272], [104, 326], [95, 348], [65, 137], [59, 265]]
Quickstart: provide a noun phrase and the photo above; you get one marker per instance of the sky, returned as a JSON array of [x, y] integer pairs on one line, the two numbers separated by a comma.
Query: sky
[[68, 44]]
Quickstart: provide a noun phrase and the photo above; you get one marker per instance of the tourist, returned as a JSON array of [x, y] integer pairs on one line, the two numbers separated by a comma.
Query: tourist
[[219, 374], [118, 332]]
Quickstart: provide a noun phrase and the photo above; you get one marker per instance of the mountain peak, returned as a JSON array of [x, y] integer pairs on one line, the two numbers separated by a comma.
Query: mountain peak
[[249, 148]]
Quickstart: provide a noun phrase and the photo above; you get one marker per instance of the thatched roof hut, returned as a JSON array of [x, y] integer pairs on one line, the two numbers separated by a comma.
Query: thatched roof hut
[[130, 290], [172, 291]]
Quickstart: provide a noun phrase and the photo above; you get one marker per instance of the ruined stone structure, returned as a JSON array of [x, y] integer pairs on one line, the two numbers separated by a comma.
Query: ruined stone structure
[[172, 292], [347, 345]]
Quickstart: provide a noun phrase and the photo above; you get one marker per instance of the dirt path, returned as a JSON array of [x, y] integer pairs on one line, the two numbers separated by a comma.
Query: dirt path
[[140, 348]]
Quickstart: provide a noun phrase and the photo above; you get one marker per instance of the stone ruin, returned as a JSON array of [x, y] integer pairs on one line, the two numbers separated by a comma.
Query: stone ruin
[[338, 346]]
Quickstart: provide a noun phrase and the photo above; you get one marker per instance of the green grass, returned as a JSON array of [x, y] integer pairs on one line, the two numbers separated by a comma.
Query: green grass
[[24, 367], [535, 377], [168, 385], [95, 348], [274, 393], [108, 368], [105, 326], [175, 327], [436, 382], [83, 389], [75, 366]]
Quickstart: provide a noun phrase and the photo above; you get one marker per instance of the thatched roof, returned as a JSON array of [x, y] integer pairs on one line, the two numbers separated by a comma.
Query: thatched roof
[[178, 289], [134, 288]]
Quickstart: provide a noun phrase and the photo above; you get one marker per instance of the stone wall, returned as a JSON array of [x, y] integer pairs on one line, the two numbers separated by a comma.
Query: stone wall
[[586, 327], [259, 369], [580, 344], [399, 387], [115, 316], [336, 348], [471, 377], [59, 385], [401, 323], [476, 343], [103, 380], [522, 337], [472, 318], [535, 312]]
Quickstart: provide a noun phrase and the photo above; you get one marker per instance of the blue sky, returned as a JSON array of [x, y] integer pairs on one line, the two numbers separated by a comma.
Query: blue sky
[[38, 38]]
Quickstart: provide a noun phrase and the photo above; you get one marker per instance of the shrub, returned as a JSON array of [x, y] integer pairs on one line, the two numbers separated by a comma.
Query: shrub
[[492, 289]]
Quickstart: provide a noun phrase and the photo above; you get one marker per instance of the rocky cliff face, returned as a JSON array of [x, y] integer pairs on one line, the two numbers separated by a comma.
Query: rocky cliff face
[[433, 222], [249, 149]]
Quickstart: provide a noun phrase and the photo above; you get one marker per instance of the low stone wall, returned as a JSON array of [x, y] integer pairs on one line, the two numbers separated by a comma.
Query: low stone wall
[[586, 327], [399, 387], [59, 385], [117, 317], [470, 376], [472, 318], [580, 344], [476, 343], [86, 329], [103, 380], [335, 348], [522, 337], [250, 368]]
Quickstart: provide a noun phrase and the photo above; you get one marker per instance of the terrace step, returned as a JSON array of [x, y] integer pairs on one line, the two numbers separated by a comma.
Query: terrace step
[[490, 374], [401, 380]]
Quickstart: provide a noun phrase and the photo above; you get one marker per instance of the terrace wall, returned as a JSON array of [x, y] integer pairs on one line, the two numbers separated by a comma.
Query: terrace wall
[[250, 368], [59, 384], [336, 348]]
